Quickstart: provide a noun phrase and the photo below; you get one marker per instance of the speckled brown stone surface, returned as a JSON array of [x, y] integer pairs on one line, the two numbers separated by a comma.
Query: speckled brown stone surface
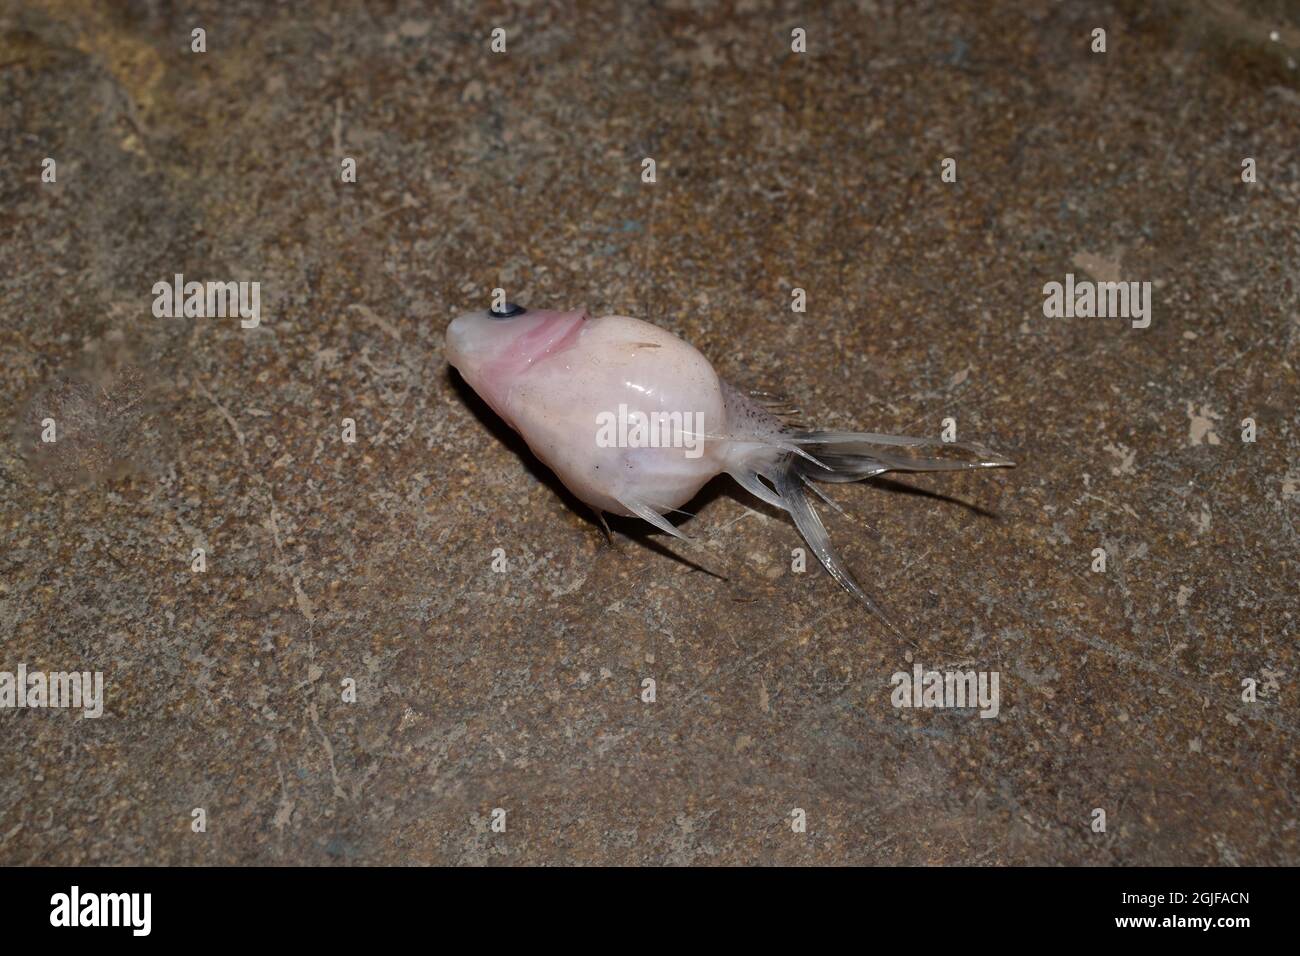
[[372, 561]]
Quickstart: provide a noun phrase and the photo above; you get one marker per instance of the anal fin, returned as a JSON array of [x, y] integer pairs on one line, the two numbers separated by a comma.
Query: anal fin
[[748, 480]]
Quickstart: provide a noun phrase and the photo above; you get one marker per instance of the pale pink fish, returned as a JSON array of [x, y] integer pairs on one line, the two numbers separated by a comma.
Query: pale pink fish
[[565, 382]]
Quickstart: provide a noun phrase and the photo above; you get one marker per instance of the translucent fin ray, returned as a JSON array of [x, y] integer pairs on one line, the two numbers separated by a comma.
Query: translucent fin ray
[[647, 513]]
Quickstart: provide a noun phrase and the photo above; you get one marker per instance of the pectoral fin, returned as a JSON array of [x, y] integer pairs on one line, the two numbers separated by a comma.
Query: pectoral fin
[[646, 513]]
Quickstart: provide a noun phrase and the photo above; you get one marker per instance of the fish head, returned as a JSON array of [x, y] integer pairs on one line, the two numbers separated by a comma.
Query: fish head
[[491, 349]]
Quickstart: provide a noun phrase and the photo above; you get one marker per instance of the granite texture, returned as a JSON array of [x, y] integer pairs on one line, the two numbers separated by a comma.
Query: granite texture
[[521, 690]]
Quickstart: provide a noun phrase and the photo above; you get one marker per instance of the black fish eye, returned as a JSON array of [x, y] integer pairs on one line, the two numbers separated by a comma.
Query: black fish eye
[[507, 311]]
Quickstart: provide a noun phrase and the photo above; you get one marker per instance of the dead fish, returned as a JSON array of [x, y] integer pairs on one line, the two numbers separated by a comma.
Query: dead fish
[[591, 396]]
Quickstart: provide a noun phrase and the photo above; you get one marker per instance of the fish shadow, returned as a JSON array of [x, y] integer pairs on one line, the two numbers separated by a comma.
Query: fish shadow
[[902, 487]]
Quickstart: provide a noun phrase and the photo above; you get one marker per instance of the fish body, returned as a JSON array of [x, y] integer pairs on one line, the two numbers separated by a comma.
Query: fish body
[[551, 375], [634, 421]]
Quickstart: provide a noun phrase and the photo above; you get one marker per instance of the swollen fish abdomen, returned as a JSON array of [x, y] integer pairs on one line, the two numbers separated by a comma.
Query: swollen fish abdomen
[[577, 410]]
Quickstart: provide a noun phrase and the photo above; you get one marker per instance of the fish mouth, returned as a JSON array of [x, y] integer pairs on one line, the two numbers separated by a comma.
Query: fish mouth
[[492, 351], [557, 332]]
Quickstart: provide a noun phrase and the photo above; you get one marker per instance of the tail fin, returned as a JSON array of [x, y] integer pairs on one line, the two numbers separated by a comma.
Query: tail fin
[[851, 456]]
